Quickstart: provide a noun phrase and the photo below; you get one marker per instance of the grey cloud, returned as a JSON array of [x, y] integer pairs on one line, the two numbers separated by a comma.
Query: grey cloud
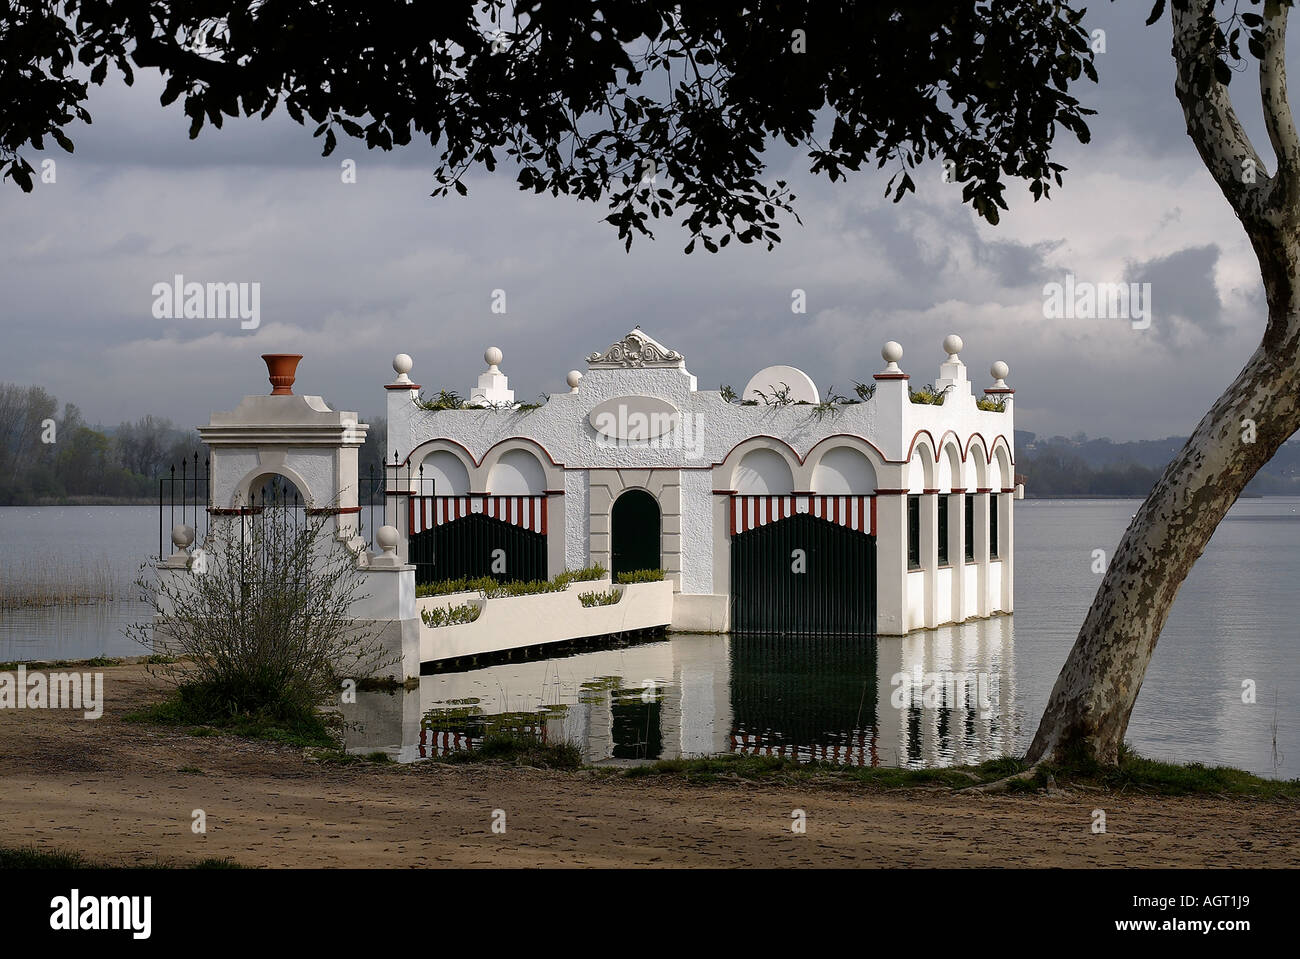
[[1183, 293]]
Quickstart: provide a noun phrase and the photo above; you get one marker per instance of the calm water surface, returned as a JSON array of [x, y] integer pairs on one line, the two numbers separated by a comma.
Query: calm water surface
[[76, 538], [1232, 623]]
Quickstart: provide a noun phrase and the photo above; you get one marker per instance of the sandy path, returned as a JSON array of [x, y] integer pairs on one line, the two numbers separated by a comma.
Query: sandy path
[[117, 792]]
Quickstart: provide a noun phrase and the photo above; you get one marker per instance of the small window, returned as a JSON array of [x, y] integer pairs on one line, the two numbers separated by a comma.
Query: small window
[[970, 527], [913, 532], [993, 525], [943, 529]]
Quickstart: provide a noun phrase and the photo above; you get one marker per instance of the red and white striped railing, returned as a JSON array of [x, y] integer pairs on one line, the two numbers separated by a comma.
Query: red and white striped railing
[[526, 512], [861, 752], [751, 512]]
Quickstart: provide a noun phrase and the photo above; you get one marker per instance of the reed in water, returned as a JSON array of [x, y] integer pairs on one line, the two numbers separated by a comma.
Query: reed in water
[[33, 584]]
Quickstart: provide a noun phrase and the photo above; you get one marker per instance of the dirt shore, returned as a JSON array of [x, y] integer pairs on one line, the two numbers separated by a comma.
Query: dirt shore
[[124, 793]]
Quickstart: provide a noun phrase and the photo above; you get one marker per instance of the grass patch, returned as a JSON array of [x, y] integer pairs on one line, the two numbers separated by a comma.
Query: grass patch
[[1132, 774], [519, 751], [1135, 773], [195, 706], [40, 664], [34, 857], [339, 757]]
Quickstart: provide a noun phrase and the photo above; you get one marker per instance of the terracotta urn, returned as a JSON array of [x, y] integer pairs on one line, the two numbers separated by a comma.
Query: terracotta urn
[[281, 368]]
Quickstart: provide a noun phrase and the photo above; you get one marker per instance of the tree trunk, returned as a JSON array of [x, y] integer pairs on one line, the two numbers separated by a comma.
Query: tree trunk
[[1089, 709], [1088, 712]]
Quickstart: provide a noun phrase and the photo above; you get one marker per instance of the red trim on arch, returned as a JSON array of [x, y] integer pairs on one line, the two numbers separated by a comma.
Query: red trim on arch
[[526, 440], [912, 449], [803, 459]]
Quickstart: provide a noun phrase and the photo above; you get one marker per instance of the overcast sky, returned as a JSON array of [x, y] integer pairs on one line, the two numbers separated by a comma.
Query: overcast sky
[[351, 274]]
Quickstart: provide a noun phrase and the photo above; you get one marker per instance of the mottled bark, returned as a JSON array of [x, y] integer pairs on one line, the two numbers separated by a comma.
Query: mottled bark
[[1088, 711]]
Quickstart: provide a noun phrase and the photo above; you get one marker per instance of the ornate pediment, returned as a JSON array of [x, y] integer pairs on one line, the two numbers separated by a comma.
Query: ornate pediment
[[636, 350]]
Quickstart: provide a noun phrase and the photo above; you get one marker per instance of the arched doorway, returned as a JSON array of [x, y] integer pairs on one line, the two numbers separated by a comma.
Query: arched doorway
[[634, 532]]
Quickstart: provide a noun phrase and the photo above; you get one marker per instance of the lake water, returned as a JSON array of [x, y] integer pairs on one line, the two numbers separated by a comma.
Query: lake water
[[1232, 624]]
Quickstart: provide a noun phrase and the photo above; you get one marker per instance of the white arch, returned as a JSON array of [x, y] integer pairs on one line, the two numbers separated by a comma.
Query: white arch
[[763, 471], [1001, 475], [842, 471], [949, 468], [262, 472], [448, 472], [977, 471], [920, 468], [517, 472]]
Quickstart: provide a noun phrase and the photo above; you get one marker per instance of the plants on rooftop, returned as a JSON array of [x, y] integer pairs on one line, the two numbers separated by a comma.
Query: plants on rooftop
[[778, 397], [444, 400], [928, 395]]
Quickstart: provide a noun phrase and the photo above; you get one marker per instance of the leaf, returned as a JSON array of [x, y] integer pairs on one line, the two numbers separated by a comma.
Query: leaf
[[1156, 12], [175, 86]]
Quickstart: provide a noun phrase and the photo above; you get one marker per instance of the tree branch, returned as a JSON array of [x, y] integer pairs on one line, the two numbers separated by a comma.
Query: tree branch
[[1212, 122], [1277, 107]]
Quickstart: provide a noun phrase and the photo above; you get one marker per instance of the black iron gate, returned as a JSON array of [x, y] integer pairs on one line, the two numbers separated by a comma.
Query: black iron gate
[[803, 575], [478, 545]]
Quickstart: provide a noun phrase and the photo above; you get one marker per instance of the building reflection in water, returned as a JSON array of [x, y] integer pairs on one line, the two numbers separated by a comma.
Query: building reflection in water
[[935, 698]]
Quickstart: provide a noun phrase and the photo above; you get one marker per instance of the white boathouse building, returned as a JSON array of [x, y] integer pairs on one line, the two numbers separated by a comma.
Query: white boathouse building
[[776, 510]]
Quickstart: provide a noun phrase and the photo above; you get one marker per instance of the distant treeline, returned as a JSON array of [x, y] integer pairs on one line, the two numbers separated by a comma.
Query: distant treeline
[[48, 457], [86, 464], [1078, 466]]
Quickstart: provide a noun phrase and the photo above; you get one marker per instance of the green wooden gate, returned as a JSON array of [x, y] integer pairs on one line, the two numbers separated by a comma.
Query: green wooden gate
[[803, 575]]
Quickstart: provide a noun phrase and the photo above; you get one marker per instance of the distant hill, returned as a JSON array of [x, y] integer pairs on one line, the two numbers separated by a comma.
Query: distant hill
[[1079, 466]]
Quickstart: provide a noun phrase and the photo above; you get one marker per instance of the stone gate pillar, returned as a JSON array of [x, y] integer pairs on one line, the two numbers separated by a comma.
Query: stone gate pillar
[[299, 438]]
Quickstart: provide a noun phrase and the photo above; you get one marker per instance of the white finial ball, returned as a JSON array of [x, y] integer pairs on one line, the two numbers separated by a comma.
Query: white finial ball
[[402, 363], [573, 378], [952, 344], [492, 356], [182, 535], [892, 352], [387, 538], [1000, 370]]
